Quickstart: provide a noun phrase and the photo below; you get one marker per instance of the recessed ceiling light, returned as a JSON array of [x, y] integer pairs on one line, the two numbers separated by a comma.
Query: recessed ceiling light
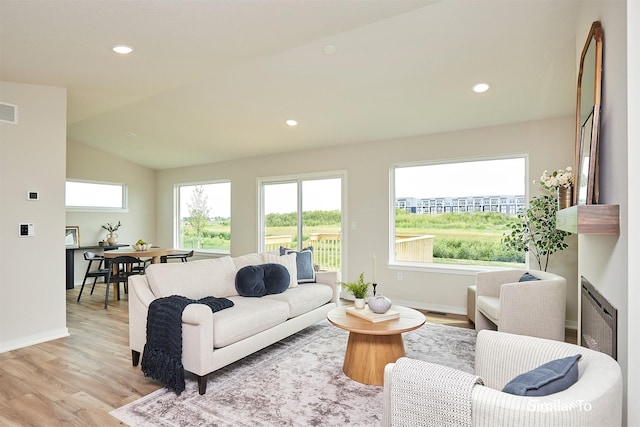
[[122, 49], [329, 49], [291, 123], [481, 87]]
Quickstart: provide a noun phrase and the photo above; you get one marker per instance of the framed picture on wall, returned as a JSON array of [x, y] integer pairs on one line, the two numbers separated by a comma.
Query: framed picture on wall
[[72, 236]]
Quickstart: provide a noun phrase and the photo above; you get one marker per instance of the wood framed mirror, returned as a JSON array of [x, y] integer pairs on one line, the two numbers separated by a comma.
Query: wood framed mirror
[[588, 107]]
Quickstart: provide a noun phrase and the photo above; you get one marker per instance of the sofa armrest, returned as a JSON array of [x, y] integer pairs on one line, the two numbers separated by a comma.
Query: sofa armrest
[[488, 283], [329, 278], [197, 338], [140, 296]]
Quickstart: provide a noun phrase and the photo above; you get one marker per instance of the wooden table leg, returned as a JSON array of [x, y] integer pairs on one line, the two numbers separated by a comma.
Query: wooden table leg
[[367, 355]]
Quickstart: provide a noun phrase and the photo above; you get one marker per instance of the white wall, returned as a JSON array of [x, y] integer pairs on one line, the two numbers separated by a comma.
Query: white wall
[[548, 144], [605, 260], [633, 205], [32, 306], [139, 222]]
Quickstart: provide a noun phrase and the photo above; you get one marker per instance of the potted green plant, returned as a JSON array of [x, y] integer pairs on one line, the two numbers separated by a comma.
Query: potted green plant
[[534, 230], [359, 289]]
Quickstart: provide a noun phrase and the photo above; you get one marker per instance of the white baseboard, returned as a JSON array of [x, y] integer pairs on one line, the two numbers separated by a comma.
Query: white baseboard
[[431, 307], [34, 339]]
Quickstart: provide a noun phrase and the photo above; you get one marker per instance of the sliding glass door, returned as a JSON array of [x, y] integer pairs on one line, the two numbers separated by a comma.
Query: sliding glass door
[[302, 212]]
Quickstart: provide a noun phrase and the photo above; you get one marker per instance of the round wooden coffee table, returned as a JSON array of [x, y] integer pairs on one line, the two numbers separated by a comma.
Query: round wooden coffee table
[[372, 345]]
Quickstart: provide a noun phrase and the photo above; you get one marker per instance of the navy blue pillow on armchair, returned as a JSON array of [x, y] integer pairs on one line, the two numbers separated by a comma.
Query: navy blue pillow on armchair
[[528, 277], [552, 377]]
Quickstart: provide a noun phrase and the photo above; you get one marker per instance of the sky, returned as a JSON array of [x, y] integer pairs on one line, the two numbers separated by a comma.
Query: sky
[[321, 194], [218, 196], [478, 178], [318, 194]]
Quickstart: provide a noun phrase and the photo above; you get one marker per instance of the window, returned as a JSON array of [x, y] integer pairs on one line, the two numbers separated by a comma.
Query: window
[[298, 213], [456, 212], [86, 195], [204, 217]]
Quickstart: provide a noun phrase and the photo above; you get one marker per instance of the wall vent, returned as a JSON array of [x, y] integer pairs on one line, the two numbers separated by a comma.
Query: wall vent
[[8, 113]]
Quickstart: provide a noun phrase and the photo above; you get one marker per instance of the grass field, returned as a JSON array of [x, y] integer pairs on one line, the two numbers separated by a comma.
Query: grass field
[[468, 239]]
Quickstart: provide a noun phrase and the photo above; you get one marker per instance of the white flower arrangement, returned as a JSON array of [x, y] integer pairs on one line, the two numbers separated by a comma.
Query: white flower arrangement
[[556, 179]]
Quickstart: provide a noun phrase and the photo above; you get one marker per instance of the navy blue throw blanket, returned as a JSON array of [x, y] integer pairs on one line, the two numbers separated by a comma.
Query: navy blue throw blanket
[[162, 356]]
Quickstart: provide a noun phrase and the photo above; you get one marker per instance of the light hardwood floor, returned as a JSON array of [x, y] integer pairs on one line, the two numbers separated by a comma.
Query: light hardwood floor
[[76, 381]]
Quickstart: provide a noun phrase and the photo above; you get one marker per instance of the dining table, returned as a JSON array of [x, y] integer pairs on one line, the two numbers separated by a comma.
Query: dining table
[[153, 253]]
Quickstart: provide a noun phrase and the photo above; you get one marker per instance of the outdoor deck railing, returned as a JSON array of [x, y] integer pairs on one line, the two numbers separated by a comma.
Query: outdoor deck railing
[[414, 248], [326, 248]]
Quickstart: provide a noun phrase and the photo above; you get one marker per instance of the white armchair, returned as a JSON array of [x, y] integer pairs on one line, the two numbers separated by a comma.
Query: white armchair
[[595, 400], [535, 308]]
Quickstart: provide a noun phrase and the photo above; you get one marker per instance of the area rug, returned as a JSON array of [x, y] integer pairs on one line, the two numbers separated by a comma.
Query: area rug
[[296, 382]]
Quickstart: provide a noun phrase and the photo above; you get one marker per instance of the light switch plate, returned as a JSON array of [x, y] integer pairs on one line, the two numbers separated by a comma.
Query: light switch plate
[[27, 230]]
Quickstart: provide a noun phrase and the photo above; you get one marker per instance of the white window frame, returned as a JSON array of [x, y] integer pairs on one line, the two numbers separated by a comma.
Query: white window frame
[[176, 214], [124, 207], [341, 174], [459, 269]]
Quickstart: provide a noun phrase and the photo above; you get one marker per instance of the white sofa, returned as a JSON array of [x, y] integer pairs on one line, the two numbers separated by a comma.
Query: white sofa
[[595, 400], [536, 308], [214, 340]]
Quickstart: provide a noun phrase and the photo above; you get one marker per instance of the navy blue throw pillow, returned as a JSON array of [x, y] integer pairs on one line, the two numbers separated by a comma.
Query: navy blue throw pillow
[[276, 278], [552, 377], [527, 277], [261, 280], [304, 263]]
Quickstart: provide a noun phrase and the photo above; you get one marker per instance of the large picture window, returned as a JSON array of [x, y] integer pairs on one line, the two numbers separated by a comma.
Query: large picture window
[[204, 216], [302, 212], [456, 213], [87, 195]]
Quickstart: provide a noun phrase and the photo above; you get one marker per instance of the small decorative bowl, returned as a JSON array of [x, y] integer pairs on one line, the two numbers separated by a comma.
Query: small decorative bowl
[[141, 247]]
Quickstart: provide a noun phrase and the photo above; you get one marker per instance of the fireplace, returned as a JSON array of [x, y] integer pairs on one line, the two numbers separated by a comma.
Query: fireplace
[[598, 321]]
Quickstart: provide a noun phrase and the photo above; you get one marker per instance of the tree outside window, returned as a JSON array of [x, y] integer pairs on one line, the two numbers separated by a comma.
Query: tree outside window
[[204, 217]]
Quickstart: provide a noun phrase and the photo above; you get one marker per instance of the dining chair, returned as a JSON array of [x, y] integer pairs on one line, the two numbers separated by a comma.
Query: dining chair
[[182, 257], [100, 271], [119, 269]]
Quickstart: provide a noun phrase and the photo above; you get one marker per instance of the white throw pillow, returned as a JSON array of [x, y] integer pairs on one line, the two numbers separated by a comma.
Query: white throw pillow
[[249, 259], [289, 261]]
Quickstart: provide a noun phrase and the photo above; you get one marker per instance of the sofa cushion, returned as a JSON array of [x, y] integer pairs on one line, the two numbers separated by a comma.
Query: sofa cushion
[[552, 377], [304, 263], [195, 279], [527, 277], [289, 261], [304, 298], [261, 280], [247, 317], [489, 306]]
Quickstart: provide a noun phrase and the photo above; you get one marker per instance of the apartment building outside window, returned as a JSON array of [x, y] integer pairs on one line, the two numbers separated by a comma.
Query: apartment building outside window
[[455, 213]]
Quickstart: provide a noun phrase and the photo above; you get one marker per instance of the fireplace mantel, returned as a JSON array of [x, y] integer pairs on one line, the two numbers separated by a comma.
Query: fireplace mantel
[[590, 219]]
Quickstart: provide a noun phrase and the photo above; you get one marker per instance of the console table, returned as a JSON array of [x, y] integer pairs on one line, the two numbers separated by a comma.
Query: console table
[[70, 267]]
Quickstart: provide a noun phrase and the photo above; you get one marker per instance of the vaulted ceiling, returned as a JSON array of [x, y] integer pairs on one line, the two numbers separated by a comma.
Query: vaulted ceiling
[[215, 80]]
